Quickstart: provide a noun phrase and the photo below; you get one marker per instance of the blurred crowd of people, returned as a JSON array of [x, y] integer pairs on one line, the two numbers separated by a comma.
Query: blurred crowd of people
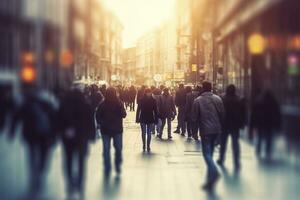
[[75, 117]]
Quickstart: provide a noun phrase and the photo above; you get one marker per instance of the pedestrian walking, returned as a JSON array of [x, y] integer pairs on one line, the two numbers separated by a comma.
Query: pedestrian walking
[[166, 112], [132, 96], [147, 115], [208, 110], [37, 114], [157, 95], [192, 127], [109, 116], [234, 120], [266, 120], [77, 130], [180, 102]]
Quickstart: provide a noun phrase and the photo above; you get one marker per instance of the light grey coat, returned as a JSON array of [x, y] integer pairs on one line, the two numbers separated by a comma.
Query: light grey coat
[[208, 112]]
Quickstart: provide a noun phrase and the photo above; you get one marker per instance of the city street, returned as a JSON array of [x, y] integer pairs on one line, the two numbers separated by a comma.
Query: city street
[[174, 170]]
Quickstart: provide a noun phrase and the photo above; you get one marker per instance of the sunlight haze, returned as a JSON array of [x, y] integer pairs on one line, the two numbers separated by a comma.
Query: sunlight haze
[[140, 16]]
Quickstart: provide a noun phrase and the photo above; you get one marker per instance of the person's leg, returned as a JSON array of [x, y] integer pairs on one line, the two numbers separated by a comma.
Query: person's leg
[[81, 167], [181, 119], [68, 151], [224, 138], [189, 128], [259, 143], [169, 121], [118, 145], [269, 144], [195, 131], [163, 123], [236, 148], [106, 153], [207, 150], [149, 127], [178, 123], [144, 130], [158, 127]]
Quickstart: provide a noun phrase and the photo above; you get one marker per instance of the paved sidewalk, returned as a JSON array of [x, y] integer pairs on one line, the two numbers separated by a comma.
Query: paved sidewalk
[[174, 170]]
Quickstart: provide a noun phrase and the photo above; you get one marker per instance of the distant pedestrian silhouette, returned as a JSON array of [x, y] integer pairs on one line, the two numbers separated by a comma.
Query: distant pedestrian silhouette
[[147, 116], [109, 116]]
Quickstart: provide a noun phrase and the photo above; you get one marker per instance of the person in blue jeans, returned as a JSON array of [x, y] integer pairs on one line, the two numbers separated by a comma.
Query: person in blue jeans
[[147, 116], [208, 111], [109, 115]]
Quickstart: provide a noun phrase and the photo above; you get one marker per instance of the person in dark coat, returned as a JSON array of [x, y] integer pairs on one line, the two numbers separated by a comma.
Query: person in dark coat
[[192, 128], [109, 116], [167, 112], [180, 101], [37, 116], [78, 129], [132, 96], [265, 119], [234, 120], [147, 115], [95, 97], [140, 94]]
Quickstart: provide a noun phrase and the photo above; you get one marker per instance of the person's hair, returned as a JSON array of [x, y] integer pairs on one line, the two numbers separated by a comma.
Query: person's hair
[[147, 90], [188, 89], [111, 95], [206, 86], [231, 90], [181, 86], [166, 91]]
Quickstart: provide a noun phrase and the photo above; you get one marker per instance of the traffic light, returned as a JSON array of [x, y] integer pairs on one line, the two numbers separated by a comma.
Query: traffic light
[[28, 70]]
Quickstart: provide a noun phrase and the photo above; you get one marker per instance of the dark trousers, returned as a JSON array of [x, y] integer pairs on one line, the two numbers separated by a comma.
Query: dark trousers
[[75, 160], [208, 144], [38, 154], [169, 124], [118, 145], [146, 134], [132, 106], [181, 119], [265, 137], [235, 146]]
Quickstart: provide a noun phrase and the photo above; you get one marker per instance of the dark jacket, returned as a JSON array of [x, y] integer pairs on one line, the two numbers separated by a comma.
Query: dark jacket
[[266, 113], [234, 113], [166, 107], [38, 117], [190, 97], [147, 111], [180, 98], [110, 117], [77, 114], [208, 111]]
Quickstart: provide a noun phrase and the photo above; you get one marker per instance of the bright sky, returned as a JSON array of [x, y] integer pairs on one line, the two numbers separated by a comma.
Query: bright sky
[[140, 16]]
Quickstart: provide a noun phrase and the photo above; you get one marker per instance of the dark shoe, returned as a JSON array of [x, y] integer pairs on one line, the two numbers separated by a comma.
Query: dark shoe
[[220, 163], [159, 136], [148, 149], [177, 131], [118, 170], [170, 137], [182, 134], [207, 187]]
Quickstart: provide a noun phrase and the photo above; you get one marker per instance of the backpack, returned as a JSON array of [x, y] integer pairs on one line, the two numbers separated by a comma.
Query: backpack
[[41, 118]]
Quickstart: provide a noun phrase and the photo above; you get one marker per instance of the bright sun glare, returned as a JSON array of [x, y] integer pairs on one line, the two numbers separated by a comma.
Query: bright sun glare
[[140, 16]]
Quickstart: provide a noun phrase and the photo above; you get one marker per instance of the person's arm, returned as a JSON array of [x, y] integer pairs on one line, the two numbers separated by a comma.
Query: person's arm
[[123, 111], [155, 110], [138, 114], [173, 107]]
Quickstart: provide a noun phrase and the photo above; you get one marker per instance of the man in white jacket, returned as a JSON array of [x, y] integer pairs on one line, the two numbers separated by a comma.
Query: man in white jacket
[[208, 112]]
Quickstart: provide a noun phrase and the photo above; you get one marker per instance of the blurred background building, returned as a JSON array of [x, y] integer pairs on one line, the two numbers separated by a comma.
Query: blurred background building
[[129, 65]]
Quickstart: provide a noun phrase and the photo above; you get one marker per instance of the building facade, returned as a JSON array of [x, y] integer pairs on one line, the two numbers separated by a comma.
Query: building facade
[[129, 65]]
